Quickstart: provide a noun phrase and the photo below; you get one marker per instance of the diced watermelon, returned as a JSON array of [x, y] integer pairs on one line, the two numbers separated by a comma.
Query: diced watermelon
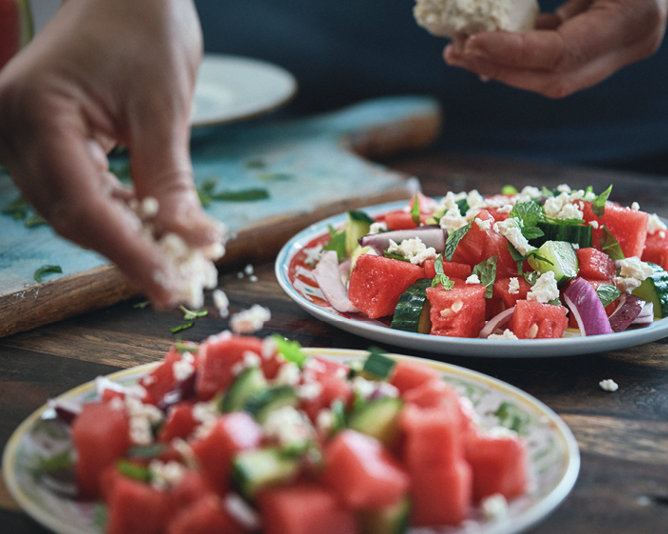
[[192, 487], [304, 509], [450, 268], [100, 434], [232, 433], [361, 472], [497, 245], [178, 424], [376, 283], [656, 249], [206, 515], [430, 394], [457, 312], [217, 356], [502, 290], [533, 320], [499, 463], [629, 227], [136, 508], [408, 374], [333, 385], [470, 248], [441, 495], [595, 264], [399, 220], [432, 436], [161, 380]]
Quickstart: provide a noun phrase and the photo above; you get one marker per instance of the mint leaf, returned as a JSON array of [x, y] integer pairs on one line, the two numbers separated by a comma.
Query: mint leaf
[[441, 277], [513, 417], [141, 305], [394, 256], [453, 240], [290, 350], [337, 243], [463, 206], [610, 245], [415, 212], [608, 294], [598, 206], [182, 327], [243, 195], [532, 232], [519, 259], [486, 272], [190, 315], [531, 277], [46, 269]]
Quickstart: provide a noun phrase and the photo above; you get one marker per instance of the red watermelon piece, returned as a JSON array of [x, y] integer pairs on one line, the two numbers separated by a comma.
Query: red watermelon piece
[[376, 283], [656, 249], [178, 424], [457, 312], [533, 320], [136, 508], [206, 515], [408, 374], [595, 264], [502, 290], [399, 220], [627, 225], [450, 268]]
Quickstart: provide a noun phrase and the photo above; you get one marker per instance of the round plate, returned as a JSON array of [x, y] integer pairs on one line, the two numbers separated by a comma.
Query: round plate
[[231, 88], [294, 270], [554, 459]]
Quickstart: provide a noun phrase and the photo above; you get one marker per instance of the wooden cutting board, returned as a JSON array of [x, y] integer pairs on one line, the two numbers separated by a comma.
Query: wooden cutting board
[[312, 168]]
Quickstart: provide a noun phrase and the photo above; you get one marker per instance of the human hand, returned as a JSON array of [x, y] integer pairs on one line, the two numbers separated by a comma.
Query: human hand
[[581, 44], [106, 72]]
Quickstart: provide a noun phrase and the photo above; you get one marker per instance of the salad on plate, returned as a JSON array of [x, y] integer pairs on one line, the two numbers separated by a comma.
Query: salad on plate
[[530, 264]]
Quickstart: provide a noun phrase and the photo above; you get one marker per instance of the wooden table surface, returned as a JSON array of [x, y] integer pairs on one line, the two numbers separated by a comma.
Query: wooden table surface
[[623, 436]]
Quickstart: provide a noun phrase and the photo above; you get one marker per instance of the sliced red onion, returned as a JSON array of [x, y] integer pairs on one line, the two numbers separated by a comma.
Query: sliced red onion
[[431, 235], [499, 320], [646, 315], [103, 384], [182, 390], [587, 308], [344, 269], [66, 411], [326, 273], [627, 311]]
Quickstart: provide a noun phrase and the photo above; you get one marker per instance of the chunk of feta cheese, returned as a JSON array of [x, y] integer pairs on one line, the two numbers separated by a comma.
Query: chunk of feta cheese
[[655, 224], [473, 279], [494, 507], [165, 475], [142, 419], [634, 267], [514, 285], [413, 250], [608, 385], [507, 334], [288, 425], [545, 289], [511, 229]]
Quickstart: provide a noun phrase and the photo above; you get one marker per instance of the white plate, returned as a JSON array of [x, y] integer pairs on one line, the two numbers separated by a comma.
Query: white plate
[[296, 279], [554, 459], [231, 88]]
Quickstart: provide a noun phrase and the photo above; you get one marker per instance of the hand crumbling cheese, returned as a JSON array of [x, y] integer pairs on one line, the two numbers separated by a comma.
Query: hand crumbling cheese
[[450, 18]]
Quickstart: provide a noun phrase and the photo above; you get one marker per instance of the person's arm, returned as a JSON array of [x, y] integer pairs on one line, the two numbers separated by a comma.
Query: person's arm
[[581, 44], [101, 73]]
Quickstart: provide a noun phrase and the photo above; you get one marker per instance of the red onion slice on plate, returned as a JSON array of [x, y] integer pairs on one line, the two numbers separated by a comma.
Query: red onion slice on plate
[[431, 236], [499, 320], [587, 308], [326, 273], [627, 311]]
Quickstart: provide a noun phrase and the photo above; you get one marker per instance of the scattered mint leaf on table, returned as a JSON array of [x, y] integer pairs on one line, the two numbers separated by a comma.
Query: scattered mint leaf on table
[[46, 269]]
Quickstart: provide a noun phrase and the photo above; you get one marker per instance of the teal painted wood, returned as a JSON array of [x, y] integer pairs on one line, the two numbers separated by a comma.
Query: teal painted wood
[[302, 164]]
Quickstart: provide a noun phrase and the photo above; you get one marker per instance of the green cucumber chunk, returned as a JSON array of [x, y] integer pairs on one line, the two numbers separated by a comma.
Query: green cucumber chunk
[[255, 469], [654, 289], [357, 226], [377, 418], [392, 519], [378, 366], [558, 257], [578, 234], [412, 311], [246, 385], [268, 400]]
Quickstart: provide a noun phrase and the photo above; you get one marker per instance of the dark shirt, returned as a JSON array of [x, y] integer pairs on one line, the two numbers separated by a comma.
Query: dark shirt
[[346, 51]]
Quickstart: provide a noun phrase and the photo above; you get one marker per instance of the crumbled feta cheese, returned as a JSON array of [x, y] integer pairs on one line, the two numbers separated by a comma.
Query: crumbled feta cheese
[[655, 224], [545, 289], [494, 507], [627, 284], [564, 188], [635, 206], [634, 267], [474, 199], [206, 414], [288, 375], [251, 320], [221, 302], [507, 334], [483, 224], [593, 224], [413, 250], [183, 369], [514, 286], [562, 206], [324, 421], [473, 279], [165, 475], [249, 359], [453, 219], [528, 193], [608, 385], [511, 230], [287, 425], [451, 200], [309, 390], [142, 418], [377, 227]]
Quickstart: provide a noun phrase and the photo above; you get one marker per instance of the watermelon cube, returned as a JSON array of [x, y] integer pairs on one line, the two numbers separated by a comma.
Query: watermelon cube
[[431, 394], [100, 434], [407, 374], [441, 495], [206, 515], [629, 227], [361, 472], [534, 320], [178, 424], [136, 508], [161, 380], [457, 312], [450, 268], [499, 464], [511, 289], [304, 509], [376, 283], [399, 220], [656, 249], [331, 376], [595, 265]]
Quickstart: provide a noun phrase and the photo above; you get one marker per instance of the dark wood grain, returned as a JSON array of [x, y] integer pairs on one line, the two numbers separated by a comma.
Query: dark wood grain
[[623, 436]]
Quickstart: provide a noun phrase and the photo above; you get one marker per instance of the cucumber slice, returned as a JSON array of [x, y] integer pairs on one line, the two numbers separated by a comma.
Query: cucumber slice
[[267, 400], [578, 234], [255, 469], [247, 384], [654, 289], [377, 418], [358, 225], [393, 519], [377, 366], [558, 257], [412, 311]]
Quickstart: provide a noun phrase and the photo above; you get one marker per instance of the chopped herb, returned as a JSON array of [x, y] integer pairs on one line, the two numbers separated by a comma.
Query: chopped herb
[[519, 259], [441, 277], [486, 272], [60, 462], [546, 192], [17, 208], [46, 269], [395, 256], [608, 294], [147, 451], [528, 214], [243, 195], [337, 243], [141, 305], [290, 350], [133, 470], [611, 246], [182, 327], [182, 347], [598, 206], [190, 315], [463, 206], [513, 417], [531, 277], [360, 216], [35, 220], [415, 212], [453, 240]]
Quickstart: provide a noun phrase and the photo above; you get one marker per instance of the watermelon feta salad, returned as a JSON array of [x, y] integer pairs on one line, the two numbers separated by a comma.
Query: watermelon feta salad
[[241, 435], [524, 264]]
